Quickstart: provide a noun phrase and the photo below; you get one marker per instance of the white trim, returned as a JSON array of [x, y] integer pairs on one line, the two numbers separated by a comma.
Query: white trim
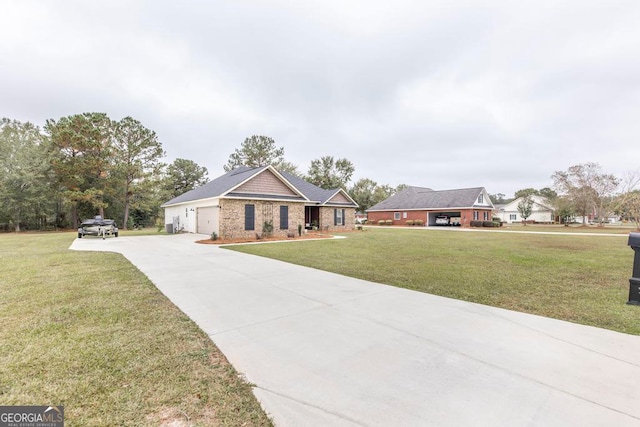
[[276, 173], [250, 197], [344, 193], [189, 202], [434, 209]]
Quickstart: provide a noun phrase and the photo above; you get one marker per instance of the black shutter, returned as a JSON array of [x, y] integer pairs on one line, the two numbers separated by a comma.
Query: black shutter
[[343, 221], [335, 217], [284, 217], [249, 217]]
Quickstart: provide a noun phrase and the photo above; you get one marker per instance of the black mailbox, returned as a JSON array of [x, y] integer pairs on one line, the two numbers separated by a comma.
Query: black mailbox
[[634, 282]]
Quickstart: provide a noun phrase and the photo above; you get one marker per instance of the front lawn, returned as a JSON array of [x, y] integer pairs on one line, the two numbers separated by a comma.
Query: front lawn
[[90, 332], [573, 228], [582, 279]]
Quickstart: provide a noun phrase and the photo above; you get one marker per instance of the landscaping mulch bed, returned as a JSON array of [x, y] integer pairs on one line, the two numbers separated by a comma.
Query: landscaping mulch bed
[[305, 236]]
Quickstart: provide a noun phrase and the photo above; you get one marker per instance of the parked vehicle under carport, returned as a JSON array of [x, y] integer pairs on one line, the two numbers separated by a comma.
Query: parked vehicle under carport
[[448, 220], [98, 226]]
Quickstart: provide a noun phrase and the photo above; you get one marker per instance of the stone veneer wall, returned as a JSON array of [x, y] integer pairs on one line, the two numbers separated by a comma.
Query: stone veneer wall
[[326, 219], [232, 218]]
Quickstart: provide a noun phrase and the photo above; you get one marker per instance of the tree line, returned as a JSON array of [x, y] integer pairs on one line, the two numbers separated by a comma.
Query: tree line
[[84, 165], [584, 190], [87, 164]]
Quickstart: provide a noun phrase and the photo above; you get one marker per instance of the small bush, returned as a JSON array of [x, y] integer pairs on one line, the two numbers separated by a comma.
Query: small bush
[[490, 224], [410, 222], [389, 222], [418, 222], [381, 222], [214, 236], [291, 234], [475, 223], [267, 228]]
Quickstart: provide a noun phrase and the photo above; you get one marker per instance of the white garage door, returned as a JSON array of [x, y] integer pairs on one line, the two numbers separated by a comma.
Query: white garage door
[[207, 220]]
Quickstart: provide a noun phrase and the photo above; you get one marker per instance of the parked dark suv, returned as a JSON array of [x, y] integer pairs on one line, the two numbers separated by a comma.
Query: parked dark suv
[[98, 227]]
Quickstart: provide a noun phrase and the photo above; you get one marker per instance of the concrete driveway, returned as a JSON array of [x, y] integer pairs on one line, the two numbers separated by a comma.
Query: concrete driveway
[[328, 350]]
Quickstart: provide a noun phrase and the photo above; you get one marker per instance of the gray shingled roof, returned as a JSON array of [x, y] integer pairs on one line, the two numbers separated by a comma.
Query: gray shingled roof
[[228, 181], [426, 198], [312, 192], [218, 186]]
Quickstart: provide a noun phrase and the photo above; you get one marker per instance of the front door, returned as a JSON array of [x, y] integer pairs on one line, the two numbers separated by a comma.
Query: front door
[[311, 217]]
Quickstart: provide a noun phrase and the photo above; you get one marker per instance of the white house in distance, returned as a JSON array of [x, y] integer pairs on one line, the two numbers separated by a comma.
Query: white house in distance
[[541, 211]]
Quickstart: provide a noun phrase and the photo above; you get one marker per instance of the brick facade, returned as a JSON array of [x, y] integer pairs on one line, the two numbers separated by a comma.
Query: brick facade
[[466, 216], [374, 217], [327, 219], [233, 213]]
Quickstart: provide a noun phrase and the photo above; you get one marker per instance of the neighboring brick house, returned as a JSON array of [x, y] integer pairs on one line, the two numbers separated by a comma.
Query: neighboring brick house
[[424, 204], [239, 203]]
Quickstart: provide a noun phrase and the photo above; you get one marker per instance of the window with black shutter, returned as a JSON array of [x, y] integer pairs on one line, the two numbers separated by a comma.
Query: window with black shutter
[[284, 217], [249, 217]]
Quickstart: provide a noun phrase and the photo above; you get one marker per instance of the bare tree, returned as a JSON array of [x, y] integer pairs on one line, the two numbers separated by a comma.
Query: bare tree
[[588, 189], [628, 202]]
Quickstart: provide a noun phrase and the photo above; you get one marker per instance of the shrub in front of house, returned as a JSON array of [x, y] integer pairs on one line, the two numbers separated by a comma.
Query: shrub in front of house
[[267, 228], [498, 221], [491, 224], [388, 222], [381, 222], [475, 223], [410, 222], [418, 222]]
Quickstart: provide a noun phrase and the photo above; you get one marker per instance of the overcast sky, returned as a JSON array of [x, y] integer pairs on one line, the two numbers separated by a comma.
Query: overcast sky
[[441, 94]]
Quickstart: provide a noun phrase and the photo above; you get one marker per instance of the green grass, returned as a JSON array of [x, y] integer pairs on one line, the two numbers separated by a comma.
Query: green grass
[[90, 332], [574, 228], [582, 279]]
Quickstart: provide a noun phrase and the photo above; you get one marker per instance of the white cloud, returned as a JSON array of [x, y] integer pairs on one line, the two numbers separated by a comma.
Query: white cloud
[[428, 93]]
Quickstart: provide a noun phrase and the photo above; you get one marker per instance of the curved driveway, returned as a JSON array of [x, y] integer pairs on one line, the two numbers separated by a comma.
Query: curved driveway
[[328, 350]]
